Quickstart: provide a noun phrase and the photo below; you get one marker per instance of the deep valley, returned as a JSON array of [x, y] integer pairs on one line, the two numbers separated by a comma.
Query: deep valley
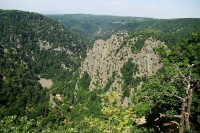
[[96, 73]]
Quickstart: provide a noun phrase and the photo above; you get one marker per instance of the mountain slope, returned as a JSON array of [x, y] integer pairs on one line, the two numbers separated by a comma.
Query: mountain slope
[[92, 27], [31, 47], [109, 90], [41, 43]]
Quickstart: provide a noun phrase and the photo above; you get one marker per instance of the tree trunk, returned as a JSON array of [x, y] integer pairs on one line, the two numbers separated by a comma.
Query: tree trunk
[[182, 120], [189, 102]]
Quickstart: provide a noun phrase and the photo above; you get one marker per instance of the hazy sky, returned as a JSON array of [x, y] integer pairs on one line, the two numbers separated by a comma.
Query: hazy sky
[[138, 8]]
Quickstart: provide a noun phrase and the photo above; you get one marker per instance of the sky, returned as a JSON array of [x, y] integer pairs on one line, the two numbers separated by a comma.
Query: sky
[[135, 8]]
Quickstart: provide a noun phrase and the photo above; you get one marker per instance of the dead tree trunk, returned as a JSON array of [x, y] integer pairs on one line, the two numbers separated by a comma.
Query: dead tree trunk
[[189, 102], [182, 120]]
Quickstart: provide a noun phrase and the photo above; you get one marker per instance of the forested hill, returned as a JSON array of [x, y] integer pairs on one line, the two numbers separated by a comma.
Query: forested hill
[[33, 46], [142, 75], [89, 26], [42, 44], [102, 26]]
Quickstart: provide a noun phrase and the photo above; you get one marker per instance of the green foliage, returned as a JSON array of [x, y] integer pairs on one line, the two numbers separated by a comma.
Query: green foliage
[[25, 106], [116, 118], [128, 70], [110, 81], [92, 27], [20, 90], [141, 38], [165, 90], [85, 81], [22, 33], [22, 60], [171, 31], [17, 125]]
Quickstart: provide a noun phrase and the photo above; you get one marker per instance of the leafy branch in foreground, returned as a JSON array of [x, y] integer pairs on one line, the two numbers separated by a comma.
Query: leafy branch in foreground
[[116, 118]]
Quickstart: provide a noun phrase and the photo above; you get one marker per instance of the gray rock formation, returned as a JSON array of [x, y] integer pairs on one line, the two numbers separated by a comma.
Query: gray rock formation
[[108, 57]]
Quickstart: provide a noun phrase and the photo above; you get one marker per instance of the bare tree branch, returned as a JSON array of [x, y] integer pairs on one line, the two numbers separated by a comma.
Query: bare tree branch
[[179, 97], [174, 122], [177, 116]]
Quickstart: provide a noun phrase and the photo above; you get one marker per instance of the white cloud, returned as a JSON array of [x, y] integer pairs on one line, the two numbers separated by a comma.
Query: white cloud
[[154, 8], [118, 3]]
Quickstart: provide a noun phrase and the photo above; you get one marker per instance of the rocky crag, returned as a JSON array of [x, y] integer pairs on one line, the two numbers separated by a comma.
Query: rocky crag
[[104, 62]]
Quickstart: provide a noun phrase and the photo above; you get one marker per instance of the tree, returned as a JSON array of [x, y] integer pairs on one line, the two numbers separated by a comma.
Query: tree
[[172, 89], [128, 70], [1, 63], [116, 118]]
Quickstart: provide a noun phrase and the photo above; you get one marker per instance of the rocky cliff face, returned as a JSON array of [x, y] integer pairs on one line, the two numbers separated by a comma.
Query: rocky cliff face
[[106, 59]]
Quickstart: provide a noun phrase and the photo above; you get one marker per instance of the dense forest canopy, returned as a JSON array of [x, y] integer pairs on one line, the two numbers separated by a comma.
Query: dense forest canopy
[[91, 27], [54, 47]]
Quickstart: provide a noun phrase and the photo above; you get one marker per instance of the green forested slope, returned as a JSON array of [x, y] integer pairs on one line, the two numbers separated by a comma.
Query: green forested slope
[[98, 26], [22, 34], [91, 27], [32, 45], [168, 101]]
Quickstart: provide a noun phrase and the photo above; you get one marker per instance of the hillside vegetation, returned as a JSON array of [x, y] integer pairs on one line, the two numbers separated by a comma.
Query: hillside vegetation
[[92, 27], [103, 74], [33, 47], [40, 40]]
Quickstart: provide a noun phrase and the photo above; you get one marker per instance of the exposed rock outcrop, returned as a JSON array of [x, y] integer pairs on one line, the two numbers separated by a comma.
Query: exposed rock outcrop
[[46, 83], [107, 58]]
